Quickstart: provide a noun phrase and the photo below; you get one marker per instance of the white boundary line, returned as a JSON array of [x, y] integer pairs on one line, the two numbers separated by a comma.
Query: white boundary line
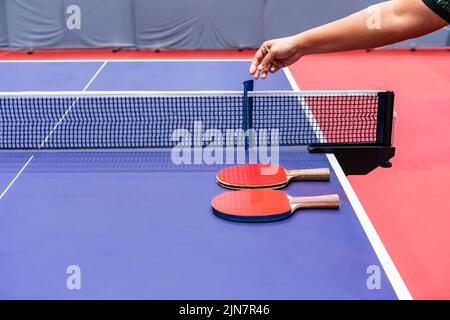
[[68, 110], [304, 105], [392, 273]]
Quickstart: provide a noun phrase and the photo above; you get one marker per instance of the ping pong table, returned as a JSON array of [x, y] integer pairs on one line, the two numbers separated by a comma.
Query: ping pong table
[[137, 226]]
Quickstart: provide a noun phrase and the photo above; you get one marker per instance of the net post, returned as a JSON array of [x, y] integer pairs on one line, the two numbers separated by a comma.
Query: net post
[[389, 119], [247, 111], [385, 121], [385, 118]]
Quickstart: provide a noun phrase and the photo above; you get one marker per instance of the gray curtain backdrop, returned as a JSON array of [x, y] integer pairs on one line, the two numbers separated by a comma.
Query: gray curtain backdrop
[[175, 24], [44, 23], [3, 29], [199, 24]]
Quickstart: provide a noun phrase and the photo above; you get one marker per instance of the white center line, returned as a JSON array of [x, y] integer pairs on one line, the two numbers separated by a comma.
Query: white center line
[[51, 132], [15, 178], [73, 104]]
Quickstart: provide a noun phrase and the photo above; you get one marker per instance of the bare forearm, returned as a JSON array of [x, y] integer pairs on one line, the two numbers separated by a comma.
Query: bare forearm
[[376, 26], [379, 25]]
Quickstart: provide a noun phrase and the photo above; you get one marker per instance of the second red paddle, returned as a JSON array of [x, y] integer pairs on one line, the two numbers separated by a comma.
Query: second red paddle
[[266, 205]]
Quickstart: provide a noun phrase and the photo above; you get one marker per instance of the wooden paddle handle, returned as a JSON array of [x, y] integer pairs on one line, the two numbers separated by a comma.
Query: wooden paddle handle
[[330, 201], [322, 174]]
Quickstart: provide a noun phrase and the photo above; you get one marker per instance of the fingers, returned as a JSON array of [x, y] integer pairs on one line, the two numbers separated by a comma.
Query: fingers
[[255, 70], [262, 62], [263, 72], [255, 62], [256, 74], [266, 63], [275, 66]]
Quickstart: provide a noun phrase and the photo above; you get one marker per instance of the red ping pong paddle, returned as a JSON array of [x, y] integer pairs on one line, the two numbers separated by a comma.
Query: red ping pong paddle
[[263, 205], [266, 176]]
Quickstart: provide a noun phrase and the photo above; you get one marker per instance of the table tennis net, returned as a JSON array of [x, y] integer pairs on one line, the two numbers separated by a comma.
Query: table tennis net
[[74, 120]]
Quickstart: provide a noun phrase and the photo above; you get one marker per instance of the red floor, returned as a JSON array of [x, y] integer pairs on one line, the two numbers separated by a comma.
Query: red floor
[[408, 204], [64, 54]]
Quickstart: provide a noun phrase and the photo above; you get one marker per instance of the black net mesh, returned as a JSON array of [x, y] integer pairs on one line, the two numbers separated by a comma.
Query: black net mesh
[[146, 121]]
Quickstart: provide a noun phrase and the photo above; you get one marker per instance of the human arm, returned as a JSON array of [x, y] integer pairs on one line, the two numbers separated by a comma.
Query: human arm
[[378, 25]]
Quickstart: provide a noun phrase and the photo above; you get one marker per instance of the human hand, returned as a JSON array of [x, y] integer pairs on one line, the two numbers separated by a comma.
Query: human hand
[[274, 55]]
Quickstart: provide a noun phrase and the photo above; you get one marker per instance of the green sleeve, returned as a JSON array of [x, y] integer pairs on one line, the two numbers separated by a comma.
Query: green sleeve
[[440, 7]]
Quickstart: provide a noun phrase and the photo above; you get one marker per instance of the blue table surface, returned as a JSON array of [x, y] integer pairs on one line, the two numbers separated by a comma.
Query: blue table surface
[[139, 226]]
